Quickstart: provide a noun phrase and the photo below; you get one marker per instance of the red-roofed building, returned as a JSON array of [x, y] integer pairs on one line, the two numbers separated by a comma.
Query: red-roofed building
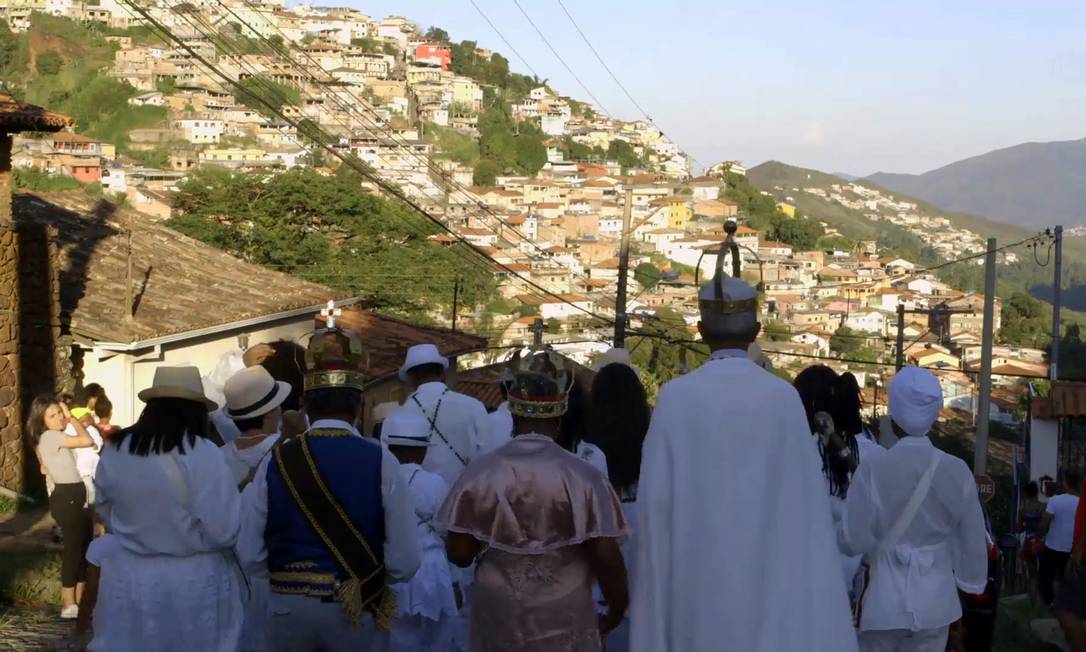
[[434, 53]]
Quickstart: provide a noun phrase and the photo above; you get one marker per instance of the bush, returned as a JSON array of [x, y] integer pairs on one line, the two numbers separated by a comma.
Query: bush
[[36, 181], [49, 62]]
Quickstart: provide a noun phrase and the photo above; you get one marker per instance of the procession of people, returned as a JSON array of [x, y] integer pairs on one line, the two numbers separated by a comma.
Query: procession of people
[[738, 513]]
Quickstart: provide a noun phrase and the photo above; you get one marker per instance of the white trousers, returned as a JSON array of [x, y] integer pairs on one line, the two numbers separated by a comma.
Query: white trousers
[[903, 640], [417, 634]]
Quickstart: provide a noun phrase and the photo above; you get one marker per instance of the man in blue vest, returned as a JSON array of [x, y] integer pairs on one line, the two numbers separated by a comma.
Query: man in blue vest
[[330, 515]]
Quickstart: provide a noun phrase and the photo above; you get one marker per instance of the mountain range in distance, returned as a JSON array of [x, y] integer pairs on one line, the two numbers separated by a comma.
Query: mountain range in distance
[[1032, 185]]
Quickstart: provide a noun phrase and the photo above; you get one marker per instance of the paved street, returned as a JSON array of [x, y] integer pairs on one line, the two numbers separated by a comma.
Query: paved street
[[26, 630]]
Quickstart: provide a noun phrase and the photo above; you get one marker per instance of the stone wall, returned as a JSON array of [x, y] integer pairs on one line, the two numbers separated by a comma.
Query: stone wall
[[33, 353], [11, 447]]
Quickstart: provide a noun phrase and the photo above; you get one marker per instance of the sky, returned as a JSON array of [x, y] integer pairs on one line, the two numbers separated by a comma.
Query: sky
[[841, 86]]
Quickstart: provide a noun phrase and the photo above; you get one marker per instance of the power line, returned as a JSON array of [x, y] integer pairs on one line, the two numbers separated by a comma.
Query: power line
[[559, 57], [352, 162], [504, 40], [610, 72]]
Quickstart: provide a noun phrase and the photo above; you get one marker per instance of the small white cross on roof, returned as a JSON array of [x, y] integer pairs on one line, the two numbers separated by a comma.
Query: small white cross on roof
[[330, 312]]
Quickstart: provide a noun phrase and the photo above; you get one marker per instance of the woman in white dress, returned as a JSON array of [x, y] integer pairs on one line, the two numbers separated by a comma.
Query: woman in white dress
[[618, 421], [169, 580]]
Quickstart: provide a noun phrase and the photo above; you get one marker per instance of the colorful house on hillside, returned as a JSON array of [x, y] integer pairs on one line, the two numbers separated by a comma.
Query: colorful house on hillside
[[678, 208], [434, 53]]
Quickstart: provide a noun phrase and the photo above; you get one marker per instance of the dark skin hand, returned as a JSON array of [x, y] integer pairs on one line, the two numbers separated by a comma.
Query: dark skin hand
[[605, 557], [462, 549]]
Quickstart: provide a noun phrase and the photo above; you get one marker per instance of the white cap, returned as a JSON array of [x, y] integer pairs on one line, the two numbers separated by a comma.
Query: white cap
[[732, 314], [406, 428], [915, 400], [419, 355]]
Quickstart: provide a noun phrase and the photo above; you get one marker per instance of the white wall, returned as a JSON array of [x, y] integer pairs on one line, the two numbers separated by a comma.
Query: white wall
[[123, 375]]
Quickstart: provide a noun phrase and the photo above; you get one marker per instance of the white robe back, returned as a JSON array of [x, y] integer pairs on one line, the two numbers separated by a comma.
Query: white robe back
[[463, 422], [736, 547]]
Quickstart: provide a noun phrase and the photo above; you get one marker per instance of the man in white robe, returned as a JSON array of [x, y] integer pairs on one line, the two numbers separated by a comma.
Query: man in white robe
[[912, 597], [736, 548]]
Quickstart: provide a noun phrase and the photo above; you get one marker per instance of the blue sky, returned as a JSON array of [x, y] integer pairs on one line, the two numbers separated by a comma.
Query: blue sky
[[848, 85]]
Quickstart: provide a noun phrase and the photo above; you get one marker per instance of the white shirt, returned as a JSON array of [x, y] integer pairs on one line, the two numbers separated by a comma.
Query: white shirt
[[592, 454], [86, 458], [402, 554], [915, 585], [735, 544], [463, 426], [500, 425], [1061, 533], [427, 491], [242, 460], [144, 511]]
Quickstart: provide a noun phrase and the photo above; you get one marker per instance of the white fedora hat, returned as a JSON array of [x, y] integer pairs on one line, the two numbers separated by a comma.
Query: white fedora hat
[[406, 428], [419, 355], [178, 382], [253, 392]]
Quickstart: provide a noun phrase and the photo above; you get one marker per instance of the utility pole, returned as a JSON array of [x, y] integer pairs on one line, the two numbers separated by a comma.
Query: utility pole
[[623, 273], [984, 399], [456, 301], [129, 300], [1057, 282], [900, 361]]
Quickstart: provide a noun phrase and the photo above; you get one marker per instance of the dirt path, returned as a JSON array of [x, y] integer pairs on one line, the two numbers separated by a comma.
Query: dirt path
[[25, 630]]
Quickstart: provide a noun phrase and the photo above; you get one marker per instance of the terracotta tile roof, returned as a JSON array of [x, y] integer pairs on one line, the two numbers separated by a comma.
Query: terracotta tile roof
[[386, 339], [18, 116], [181, 284], [72, 137]]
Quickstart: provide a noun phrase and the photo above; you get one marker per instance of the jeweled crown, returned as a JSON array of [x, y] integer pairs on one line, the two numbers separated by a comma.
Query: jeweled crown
[[334, 356]]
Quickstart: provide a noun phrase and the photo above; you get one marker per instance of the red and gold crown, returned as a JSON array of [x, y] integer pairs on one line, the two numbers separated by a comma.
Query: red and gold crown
[[540, 385], [334, 356]]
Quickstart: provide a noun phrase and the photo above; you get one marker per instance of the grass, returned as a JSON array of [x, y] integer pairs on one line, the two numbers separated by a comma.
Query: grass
[[30, 578], [452, 144]]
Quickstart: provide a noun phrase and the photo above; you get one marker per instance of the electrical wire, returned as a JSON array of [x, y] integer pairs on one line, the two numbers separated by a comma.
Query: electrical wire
[[504, 40], [560, 59]]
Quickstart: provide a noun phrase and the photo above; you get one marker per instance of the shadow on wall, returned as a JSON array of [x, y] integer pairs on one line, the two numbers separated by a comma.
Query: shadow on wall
[[55, 248]]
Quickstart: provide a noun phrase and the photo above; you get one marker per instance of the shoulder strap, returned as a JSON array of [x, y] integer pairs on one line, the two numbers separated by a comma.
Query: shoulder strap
[[433, 424], [912, 507], [365, 590]]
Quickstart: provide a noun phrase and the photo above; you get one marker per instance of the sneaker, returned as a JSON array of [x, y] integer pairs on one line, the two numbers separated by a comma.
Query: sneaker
[[71, 612]]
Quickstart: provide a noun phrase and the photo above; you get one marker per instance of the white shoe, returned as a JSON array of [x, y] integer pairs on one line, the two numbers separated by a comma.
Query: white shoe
[[71, 612]]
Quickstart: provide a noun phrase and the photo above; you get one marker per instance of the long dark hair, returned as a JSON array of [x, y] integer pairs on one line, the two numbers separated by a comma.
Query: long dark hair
[[618, 422], [35, 421], [573, 422], [165, 424], [822, 390]]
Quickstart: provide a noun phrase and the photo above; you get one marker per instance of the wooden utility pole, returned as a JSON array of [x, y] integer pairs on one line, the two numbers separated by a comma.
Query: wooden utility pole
[[984, 399], [623, 273], [900, 361], [1057, 282], [456, 301]]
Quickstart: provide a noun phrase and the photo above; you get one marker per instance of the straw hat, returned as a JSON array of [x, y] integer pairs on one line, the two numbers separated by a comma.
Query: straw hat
[[406, 428], [178, 382], [253, 392]]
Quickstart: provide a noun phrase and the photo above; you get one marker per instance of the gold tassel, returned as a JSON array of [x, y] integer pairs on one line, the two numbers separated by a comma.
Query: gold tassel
[[386, 609], [350, 594]]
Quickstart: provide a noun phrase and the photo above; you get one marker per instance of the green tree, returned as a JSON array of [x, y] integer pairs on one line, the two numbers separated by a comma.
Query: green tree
[[846, 342], [1024, 321], [776, 331], [836, 243], [623, 153], [49, 62], [554, 326], [258, 92], [327, 230], [647, 275], [801, 234], [437, 34], [660, 353], [486, 172], [166, 85]]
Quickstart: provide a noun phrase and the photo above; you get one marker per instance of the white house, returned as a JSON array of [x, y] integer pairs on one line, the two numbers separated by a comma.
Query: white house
[[561, 307], [869, 321], [201, 131]]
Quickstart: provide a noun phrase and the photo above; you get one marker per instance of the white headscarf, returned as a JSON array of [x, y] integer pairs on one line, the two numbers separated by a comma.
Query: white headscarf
[[915, 400]]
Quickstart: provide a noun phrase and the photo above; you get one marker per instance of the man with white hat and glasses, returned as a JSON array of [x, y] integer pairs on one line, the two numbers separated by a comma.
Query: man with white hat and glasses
[[913, 512], [425, 605], [253, 403]]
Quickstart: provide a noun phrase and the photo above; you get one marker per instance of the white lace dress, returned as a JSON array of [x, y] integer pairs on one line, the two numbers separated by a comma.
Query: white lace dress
[[167, 583]]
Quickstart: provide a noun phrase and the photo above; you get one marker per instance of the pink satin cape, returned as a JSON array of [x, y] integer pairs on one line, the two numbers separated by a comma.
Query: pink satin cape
[[533, 504]]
